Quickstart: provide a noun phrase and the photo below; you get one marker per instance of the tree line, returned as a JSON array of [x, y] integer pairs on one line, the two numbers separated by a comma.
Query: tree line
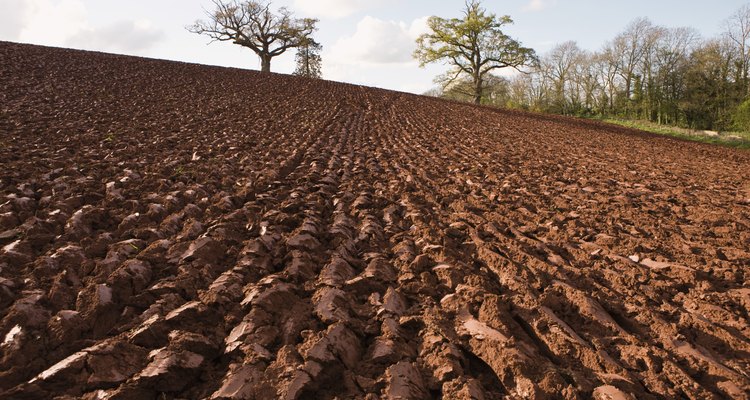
[[648, 72]]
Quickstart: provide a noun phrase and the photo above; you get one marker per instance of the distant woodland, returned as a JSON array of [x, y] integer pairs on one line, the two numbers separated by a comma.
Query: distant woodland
[[667, 75]]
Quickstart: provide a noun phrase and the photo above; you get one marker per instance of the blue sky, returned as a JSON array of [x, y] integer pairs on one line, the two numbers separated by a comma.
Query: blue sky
[[365, 41]]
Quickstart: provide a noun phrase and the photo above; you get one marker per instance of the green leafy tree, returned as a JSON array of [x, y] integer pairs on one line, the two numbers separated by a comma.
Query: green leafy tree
[[309, 62], [252, 24], [707, 101], [671, 60], [473, 45]]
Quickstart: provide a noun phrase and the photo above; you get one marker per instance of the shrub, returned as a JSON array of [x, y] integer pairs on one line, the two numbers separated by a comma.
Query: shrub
[[741, 117]]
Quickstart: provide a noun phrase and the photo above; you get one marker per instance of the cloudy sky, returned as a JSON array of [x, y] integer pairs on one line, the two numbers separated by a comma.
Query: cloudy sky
[[365, 41]]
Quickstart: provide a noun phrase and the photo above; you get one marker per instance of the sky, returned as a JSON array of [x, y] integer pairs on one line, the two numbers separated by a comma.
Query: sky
[[367, 42]]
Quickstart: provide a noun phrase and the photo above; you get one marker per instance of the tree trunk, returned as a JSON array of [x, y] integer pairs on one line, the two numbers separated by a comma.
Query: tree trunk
[[477, 90], [308, 71], [265, 63]]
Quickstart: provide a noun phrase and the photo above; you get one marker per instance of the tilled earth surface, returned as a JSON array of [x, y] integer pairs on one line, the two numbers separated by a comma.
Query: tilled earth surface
[[170, 230]]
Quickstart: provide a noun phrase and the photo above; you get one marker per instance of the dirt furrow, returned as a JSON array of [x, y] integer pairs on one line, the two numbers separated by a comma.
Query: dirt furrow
[[172, 231]]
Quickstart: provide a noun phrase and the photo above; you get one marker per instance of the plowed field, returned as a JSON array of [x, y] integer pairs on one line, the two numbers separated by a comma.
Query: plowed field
[[177, 231]]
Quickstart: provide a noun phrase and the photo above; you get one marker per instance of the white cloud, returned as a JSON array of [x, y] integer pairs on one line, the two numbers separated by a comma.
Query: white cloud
[[379, 42], [40, 21], [127, 36], [336, 8], [12, 19], [66, 23], [538, 5]]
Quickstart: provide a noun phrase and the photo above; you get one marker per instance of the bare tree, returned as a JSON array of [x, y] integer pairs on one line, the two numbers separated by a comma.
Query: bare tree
[[520, 91], [559, 64], [251, 24], [585, 80], [531, 90], [737, 30], [631, 45], [608, 70], [671, 58]]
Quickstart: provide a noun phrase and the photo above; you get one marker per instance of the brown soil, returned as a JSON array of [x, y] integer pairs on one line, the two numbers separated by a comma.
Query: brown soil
[[170, 230]]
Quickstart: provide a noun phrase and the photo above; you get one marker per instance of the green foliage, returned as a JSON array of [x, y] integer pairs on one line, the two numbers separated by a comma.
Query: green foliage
[[707, 102], [742, 117], [663, 75], [473, 46], [308, 59]]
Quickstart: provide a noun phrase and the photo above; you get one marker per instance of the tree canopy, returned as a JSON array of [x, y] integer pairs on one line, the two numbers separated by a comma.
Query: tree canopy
[[308, 60], [252, 24], [473, 45], [665, 75]]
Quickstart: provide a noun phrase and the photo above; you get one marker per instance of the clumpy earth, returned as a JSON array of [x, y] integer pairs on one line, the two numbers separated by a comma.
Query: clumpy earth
[[177, 231]]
